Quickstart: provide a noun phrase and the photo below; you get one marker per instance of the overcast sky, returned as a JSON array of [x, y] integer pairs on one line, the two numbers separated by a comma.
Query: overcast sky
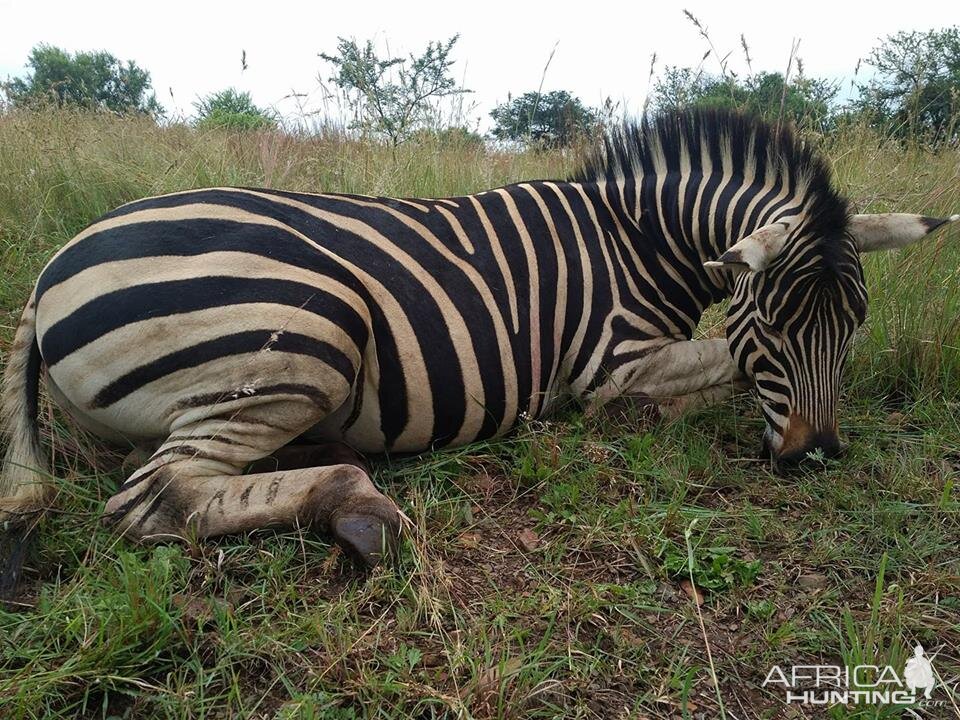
[[602, 48]]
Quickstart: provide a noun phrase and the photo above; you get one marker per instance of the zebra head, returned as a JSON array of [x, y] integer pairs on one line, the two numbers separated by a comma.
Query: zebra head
[[798, 298]]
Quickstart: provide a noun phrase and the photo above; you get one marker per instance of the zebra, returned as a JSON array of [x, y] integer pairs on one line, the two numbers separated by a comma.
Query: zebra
[[223, 324]]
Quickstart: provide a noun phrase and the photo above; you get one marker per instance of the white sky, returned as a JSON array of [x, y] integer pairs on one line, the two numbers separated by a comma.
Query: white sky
[[602, 48]]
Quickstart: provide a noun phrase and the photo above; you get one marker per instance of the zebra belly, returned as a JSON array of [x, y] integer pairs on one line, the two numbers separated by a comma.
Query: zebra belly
[[365, 419], [147, 378]]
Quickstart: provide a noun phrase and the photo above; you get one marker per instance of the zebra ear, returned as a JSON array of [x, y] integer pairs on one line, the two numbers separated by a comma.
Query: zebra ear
[[887, 231], [754, 252]]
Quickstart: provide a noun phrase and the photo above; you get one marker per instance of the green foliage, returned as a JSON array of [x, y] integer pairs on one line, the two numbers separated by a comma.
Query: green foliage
[[120, 621], [316, 706], [916, 89], [233, 110], [805, 101], [761, 609], [95, 80], [714, 568], [556, 119], [393, 96]]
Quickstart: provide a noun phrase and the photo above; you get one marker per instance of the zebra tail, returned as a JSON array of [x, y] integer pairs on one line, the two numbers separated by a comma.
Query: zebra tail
[[25, 486]]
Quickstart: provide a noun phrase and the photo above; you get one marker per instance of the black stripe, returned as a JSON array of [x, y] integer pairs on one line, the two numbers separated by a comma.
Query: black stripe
[[602, 297], [688, 295], [226, 346], [751, 222], [506, 234], [216, 438], [208, 196], [226, 396], [646, 250], [190, 238], [185, 449], [710, 185], [563, 223], [117, 309], [547, 268]]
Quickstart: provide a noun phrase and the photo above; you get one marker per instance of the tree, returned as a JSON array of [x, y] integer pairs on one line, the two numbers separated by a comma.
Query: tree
[[556, 118], [916, 89], [393, 96], [234, 110], [805, 101], [85, 79]]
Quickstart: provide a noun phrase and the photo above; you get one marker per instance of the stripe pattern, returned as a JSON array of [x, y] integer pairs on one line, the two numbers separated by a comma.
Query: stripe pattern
[[418, 323]]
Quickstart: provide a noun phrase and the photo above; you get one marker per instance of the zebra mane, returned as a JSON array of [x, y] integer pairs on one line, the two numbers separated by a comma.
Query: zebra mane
[[670, 141]]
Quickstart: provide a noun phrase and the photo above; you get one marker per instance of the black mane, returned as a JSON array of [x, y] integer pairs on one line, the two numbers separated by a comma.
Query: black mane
[[635, 149]]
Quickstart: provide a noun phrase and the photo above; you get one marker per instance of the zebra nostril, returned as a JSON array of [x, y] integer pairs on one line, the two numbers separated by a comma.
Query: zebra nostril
[[828, 443]]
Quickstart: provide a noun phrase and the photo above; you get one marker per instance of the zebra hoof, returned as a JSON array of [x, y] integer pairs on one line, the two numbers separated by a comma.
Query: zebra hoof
[[15, 538], [367, 538]]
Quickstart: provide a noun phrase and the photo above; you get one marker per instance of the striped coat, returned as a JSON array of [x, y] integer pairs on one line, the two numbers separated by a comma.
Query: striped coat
[[424, 322]]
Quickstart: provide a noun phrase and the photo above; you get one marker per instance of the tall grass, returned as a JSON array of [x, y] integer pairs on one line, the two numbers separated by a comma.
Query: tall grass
[[60, 169], [911, 342]]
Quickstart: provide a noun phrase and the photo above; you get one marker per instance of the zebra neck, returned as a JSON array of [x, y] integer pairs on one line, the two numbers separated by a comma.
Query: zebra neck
[[677, 221], [661, 238]]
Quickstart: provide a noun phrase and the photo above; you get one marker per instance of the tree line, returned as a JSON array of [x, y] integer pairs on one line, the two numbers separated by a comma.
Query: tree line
[[913, 91]]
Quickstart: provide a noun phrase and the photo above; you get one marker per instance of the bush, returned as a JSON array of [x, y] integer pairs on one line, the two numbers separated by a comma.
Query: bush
[[233, 110]]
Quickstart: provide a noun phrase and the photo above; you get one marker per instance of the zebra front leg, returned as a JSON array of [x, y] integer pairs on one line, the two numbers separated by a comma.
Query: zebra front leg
[[675, 378], [673, 407]]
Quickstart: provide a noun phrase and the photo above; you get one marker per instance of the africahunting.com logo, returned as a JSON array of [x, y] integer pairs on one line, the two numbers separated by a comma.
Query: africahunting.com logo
[[858, 685]]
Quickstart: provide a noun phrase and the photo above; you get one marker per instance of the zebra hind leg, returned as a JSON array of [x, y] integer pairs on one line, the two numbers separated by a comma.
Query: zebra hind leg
[[338, 499], [192, 487]]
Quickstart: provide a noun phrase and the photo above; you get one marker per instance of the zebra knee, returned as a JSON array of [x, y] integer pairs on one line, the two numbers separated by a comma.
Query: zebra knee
[[157, 508]]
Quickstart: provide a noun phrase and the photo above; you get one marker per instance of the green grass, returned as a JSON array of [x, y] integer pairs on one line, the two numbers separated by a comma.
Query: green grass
[[852, 561]]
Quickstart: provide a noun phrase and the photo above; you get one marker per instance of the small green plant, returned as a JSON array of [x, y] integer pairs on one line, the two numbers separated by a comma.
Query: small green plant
[[760, 609], [531, 466], [562, 503], [714, 568], [316, 706], [404, 660]]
